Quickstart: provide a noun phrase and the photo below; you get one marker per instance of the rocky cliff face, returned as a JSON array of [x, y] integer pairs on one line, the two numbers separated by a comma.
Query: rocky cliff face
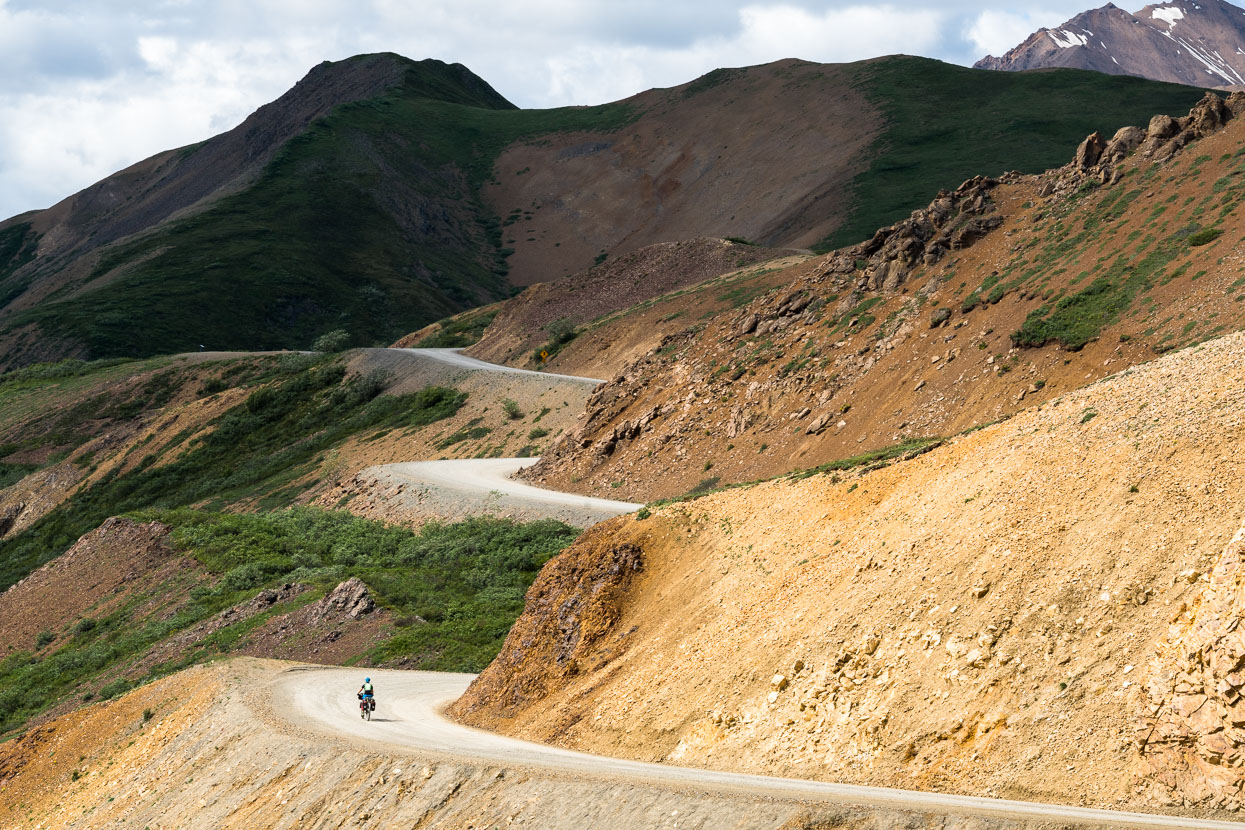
[[1197, 43]]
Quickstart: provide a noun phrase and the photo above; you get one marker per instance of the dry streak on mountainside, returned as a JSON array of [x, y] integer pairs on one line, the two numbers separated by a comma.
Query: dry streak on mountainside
[[987, 618], [939, 323]]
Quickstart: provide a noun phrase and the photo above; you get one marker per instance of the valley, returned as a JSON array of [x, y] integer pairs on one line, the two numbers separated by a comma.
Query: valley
[[674, 462]]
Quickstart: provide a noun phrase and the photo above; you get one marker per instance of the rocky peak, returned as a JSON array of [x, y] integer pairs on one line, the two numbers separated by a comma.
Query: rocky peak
[[1196, 43]]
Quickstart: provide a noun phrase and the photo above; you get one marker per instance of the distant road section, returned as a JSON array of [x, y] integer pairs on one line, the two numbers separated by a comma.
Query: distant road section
[[456, 358], [484, 486], [408, 717]]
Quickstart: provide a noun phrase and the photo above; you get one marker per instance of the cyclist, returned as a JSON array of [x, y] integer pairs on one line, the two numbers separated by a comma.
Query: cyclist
[[368, 692]]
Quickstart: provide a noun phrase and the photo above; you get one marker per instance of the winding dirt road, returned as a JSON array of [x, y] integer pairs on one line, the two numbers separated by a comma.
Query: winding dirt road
[[455, 357], [408, 719]]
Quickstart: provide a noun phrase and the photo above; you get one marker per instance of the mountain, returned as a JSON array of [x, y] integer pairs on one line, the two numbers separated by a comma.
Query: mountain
[[1198, 43], [381, 194]]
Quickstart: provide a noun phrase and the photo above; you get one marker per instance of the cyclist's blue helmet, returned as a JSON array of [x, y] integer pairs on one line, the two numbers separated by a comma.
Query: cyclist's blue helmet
[[367, 680]]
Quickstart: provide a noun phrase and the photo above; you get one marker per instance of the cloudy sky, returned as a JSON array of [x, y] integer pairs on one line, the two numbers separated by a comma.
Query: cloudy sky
[[90, 86]]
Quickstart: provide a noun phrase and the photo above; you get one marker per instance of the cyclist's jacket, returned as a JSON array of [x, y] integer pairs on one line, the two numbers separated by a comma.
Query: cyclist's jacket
[[367, 690]]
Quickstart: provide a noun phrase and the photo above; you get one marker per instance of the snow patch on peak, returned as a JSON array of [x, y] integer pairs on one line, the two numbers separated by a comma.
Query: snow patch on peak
[[1168, 15], [1068, 39]]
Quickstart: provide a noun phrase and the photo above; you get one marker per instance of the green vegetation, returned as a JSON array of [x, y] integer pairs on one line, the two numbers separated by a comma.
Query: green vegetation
[[905, 450], [322, 240], [18, 244], [333, 342], [1204, 237], [945, 124], [1076, 319], [460, 331], [464, 582], [42, 372], [454, 591], [259, 448]]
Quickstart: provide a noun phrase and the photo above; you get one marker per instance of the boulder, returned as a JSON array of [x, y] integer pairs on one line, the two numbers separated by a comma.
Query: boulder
[[1090, 151], [351, 598]]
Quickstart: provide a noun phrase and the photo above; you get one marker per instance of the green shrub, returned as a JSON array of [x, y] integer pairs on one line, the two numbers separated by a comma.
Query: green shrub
[[1204, 237], [334, 341], [512, 410]]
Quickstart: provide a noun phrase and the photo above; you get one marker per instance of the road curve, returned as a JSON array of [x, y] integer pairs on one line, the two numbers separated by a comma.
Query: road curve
[[484, 485], [408, 719], [455, 357]]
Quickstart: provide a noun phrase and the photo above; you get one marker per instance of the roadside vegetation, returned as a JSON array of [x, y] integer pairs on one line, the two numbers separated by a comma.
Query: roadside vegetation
[[453, 590]]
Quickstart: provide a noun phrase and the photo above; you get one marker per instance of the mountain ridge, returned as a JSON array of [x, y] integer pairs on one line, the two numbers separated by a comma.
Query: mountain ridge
[[382, 194]]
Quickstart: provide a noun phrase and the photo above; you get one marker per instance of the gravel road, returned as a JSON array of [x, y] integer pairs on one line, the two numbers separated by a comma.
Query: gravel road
[[455, 357], [408, 718], [484, 485]]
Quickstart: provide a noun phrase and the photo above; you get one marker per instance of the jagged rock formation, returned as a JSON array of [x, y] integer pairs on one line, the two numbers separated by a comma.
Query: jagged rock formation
[[952, 222], [1192, 735], [1197, 43]]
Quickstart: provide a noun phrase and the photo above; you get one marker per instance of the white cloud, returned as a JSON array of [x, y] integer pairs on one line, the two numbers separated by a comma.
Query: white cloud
[[995, 32]]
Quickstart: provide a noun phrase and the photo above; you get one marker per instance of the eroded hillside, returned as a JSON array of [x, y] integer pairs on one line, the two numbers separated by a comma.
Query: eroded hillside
[[991, 617], [1000, 294]]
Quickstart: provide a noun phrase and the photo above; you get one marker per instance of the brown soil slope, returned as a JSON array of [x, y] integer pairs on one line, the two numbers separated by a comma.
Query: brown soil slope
[[724, 155], [988, 618], [997, 295], [106, 568], [522, 324]]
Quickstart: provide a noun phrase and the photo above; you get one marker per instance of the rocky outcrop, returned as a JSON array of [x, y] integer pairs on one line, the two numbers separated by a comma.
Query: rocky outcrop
[[570, 614], [1192, 735], [953, 220], [350, 599], [1097, 160]]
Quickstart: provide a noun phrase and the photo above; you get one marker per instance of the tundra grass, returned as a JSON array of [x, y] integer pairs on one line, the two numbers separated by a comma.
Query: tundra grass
[[945, 124]]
